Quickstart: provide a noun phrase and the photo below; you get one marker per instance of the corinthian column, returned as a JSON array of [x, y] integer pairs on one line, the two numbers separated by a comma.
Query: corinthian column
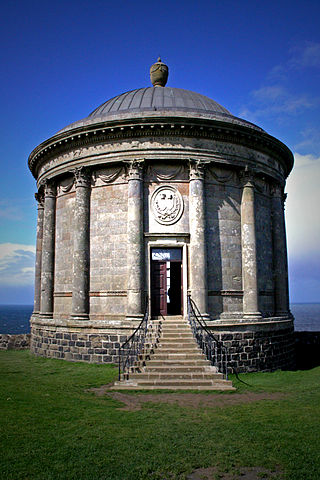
[[249, 255], [280, 265], [135, 256], [47, 260], [81, 245], [198, 248], [37, 280]]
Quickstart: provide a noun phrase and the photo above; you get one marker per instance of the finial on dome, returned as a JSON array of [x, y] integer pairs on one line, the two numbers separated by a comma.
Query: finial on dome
[[159, 74]]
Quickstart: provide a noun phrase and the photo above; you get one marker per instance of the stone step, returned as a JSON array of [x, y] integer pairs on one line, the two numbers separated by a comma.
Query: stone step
[[198, 362], [182, 383], [179, 345], [174, 385], [164, 376], [135, 386], [176, 336], [176, 329], [179, 368], [173, 362], [183, 321], [158, 355], [176, 347], [172, 351], [168, 335]]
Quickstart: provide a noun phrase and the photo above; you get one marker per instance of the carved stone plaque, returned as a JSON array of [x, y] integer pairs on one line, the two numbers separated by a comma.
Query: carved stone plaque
[[166, 205]]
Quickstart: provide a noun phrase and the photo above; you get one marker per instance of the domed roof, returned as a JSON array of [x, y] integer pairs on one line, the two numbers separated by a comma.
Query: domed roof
[[158, 98], [158, 101]]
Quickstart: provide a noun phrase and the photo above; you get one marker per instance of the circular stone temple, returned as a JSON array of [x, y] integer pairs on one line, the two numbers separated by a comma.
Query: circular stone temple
[[160, 194]]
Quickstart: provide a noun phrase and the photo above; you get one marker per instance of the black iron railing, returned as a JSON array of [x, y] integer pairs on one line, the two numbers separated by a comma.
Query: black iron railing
[[130, 350], [214, 350], [138, 346]]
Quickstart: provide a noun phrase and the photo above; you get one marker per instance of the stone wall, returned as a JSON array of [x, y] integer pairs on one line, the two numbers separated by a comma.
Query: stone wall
[[257, 347], [14, 342], [108, 249], [250, 348], [224, 243], [78, 345], [63, 253]]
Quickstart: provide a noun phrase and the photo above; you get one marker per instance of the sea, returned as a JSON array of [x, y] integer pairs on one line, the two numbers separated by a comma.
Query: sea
[[15, 318]]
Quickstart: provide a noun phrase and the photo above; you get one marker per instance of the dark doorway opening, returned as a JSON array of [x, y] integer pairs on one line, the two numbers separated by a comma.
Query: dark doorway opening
[[166, 281]]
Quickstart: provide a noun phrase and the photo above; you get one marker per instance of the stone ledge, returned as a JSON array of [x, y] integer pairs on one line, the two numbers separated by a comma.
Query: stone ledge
[[92, 324], [240, 325]]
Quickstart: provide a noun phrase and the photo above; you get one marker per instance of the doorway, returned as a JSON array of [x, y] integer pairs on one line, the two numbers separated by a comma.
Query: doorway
[[166, 281]]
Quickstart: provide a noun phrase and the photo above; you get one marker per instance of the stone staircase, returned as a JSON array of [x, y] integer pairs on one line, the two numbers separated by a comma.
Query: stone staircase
[[176, 364]]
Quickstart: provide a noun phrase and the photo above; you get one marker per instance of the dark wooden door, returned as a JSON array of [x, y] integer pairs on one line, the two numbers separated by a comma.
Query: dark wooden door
[[158, 288]]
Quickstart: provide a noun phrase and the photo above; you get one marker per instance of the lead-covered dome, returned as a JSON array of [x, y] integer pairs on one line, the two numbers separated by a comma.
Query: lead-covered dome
[[159, 101]]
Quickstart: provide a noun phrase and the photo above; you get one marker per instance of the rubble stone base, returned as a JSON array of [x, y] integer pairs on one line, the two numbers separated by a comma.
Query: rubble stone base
[[262, 346], [14, 342]]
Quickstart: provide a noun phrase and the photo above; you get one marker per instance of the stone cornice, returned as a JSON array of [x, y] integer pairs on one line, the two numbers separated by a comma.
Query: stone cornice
[[157, 128]]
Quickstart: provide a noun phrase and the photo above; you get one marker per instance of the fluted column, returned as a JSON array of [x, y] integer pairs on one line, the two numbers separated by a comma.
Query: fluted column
[[198, 248], [48, 245], [37, 281], [249, 255], [81, 245], [135, 255], [280, 264]]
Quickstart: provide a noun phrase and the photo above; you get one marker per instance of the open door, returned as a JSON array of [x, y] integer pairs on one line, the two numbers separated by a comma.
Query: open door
[[166, 281]]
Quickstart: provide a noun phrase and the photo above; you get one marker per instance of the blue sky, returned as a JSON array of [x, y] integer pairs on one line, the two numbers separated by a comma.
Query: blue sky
[[261, 60]]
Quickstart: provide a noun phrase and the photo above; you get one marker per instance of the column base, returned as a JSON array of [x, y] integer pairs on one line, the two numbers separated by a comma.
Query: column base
[[135, 317], [79, 316], [282, 313], [45, 314], [205, 317], [230, 316], [252, 316]]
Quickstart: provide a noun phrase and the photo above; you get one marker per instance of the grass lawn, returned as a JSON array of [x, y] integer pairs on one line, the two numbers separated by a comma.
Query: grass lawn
[[52, 427]]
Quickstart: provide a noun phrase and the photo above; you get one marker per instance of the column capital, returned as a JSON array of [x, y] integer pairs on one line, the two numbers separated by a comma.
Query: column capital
[[134, 169], [276, 190], [247, 177], [82, 177], [39, 196], [50, 189], [197, 169]]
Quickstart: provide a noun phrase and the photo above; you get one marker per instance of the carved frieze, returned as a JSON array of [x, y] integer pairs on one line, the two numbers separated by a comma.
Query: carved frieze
[[166, 205], [65, 185], [222, 176], [107, 176], [166, 172]]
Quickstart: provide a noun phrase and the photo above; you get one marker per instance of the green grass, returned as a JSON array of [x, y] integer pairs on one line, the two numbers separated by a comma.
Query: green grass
[[51, 427]]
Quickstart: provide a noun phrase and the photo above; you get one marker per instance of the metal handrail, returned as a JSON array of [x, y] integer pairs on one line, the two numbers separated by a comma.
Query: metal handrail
[[130, 350], [213, 348]]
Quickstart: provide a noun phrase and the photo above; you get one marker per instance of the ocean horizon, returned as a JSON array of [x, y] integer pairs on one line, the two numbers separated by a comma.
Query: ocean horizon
[[15, 319]]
